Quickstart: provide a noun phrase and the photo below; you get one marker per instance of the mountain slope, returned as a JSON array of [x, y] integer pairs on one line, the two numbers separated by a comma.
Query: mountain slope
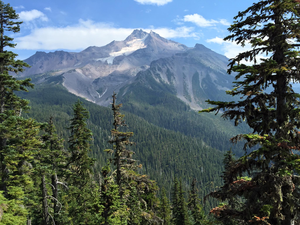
[[164, 153], [192, 74]]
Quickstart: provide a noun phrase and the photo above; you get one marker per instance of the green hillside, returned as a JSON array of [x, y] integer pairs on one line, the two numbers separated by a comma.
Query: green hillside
[[163, 151]]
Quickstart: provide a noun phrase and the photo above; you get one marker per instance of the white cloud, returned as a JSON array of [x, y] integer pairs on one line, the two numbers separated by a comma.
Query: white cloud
[[87, 34], [202, 22], [224, 22], [27, 16], [199, 20], [48, 9], [153, 2], [230, 49], [216, 40], [175, 33]]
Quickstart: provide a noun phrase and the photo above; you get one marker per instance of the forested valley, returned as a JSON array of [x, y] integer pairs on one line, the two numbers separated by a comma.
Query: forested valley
[[65, 160]]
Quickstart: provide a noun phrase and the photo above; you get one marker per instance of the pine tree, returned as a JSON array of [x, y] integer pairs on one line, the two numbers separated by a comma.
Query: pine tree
[[122, 156], [165, 208], [136, 191], [194, 205], [82, 192], [10, 104], [270, 107], [111, 208], [22, 146], [18, 136], [179, 205], [12, 212], [223, 213], [52, 163]]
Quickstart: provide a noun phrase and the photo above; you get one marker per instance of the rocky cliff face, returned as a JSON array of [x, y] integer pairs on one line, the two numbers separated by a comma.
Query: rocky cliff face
[[145, 59]]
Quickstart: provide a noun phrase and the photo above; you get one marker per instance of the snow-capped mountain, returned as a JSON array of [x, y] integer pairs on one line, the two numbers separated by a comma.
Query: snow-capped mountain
[[192, 74]]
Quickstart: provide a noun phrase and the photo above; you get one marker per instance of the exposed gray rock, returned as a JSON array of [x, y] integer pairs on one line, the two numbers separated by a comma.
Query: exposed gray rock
[[192, 74]]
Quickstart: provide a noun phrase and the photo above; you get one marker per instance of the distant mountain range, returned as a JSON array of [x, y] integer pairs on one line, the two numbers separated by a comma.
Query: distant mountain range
[[143, 61], [160, 84]]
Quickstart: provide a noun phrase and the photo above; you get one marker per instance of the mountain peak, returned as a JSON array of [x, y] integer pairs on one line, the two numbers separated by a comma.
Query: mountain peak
[[136, 34]]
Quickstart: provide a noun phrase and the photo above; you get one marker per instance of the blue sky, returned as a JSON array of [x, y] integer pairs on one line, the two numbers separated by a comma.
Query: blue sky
[[73, 25]]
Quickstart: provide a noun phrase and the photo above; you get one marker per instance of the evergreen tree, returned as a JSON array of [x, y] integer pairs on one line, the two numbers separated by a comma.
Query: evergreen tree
[[179, 205], [122, 156], [165, 212], [271, 108], [136, 191], [223, 213], [53, 162], [10, 104], [82, 192], [12, 212], [194, 205], [18, 136], [111, 208]]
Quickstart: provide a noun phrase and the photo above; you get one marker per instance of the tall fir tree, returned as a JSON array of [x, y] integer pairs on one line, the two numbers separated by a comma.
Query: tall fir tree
[[82, 192], [165, 212], [136, 191], [233, 203], [111, 208], [194, 205], [10, 104], [179, 205], [52, 163], [270, 107], [18, 136]]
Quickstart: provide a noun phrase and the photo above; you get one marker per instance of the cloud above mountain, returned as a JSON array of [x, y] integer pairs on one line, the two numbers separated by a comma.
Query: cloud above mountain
[[200, 21], [87, 33], [153, 2], [34, 14]]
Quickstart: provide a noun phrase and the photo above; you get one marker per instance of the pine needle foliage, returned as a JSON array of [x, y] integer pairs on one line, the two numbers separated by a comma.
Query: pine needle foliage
[[82, 193], [136, 191], [270, 107]]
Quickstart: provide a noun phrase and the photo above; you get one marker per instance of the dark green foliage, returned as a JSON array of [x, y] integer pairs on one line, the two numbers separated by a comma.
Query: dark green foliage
[[122, 157], [111, 208], [270, 107], [232, 203], [79, 145], [54, 160], [165, 212], [82, 191], [179, 205], [138, 192], [163, 153], [194, 205]]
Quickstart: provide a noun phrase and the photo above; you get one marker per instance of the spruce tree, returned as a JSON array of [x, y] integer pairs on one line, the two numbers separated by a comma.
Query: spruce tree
[[52, 163], [82, 192], [165, 212], [12, 212], [10, 104], [270, 107], [179, 205], [230, 203], [136, 191], [194, 205], [18, 136], [111, 208]]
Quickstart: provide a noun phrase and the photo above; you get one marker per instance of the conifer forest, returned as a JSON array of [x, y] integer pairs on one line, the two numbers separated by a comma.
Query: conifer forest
[[64, 160]]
